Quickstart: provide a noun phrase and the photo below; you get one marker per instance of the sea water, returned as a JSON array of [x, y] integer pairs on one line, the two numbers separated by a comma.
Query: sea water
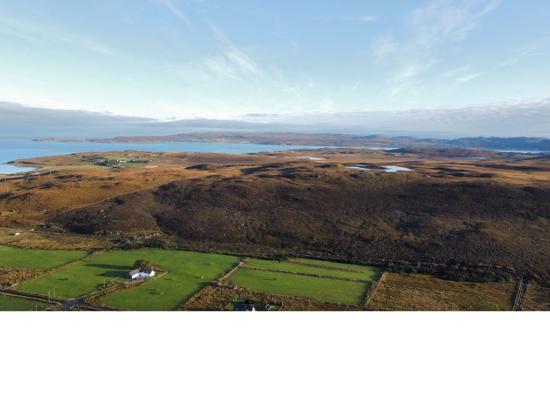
[[14, 149]]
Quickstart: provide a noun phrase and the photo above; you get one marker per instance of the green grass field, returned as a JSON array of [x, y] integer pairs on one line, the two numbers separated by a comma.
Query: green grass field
[[184, 277], [188, 272], [338, 265], [8, 303], [322, 289], [333, 269], [38, 259], [183, 273]]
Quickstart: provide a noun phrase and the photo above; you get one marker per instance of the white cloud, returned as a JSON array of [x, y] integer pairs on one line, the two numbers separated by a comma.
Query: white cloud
[[384, 47], [368, 18], [36, 33], [177, 111], [467, 78], [35, 100], [411, 70], [430, 29], [243, 61], [406, 77], [233, 61], [225, 61], [175, 10], [453, 73], [441, 21], [461, 75], [517, 118], [220, 66], [24, 121], [529, 51]]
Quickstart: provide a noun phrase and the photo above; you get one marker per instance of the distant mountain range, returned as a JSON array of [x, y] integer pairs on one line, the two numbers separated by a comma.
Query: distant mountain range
[[518, 144], [503, 143]]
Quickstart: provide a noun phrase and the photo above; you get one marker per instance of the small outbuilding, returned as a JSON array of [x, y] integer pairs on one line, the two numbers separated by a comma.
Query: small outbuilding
[[141, 273]]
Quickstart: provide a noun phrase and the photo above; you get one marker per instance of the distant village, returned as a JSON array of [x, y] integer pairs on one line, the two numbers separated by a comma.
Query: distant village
[[114, 163]]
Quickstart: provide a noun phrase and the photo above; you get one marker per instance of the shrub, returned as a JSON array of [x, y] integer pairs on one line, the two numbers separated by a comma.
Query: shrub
[[143, 263], [154, 242]]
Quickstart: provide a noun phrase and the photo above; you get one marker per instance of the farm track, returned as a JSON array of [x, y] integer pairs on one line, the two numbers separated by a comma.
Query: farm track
[[63, 304], [35, 297]]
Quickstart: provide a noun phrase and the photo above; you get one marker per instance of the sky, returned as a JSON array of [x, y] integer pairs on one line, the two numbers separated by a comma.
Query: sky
[[433, 67]]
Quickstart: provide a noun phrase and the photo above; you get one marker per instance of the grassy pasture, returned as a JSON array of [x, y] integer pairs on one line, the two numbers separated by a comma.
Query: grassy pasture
[[321, 289], [8, 303], [184, 276], [337, 265], [334, 270], [39, 259], [425, 293], [188, 272]]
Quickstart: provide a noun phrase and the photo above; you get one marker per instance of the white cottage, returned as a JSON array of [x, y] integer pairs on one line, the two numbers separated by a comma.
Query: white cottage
[[141, 273]]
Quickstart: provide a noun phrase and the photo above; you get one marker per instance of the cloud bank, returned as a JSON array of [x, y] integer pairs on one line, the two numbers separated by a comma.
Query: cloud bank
[[430, 29], [18, 121], [521, 118]]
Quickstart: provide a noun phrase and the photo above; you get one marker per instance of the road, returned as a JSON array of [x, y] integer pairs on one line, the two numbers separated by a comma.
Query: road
[[66, 305]]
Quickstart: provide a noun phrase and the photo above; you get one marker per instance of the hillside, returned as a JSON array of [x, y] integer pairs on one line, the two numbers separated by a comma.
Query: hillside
[[504, 143], [454, 207], [340, 140], [350, 215]]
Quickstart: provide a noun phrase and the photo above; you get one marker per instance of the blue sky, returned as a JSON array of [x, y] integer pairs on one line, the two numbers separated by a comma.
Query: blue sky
[[180, 59]]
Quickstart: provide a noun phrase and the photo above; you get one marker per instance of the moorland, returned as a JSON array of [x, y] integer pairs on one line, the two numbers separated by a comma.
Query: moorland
[[448, 228]]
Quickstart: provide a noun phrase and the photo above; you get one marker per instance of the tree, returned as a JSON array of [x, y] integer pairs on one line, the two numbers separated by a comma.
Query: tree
[[143, 264]]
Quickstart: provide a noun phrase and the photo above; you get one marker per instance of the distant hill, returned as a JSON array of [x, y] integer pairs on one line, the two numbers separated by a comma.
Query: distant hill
[[283, 209], [346, 140], [270, 138], [339, 140], [503, 143]]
